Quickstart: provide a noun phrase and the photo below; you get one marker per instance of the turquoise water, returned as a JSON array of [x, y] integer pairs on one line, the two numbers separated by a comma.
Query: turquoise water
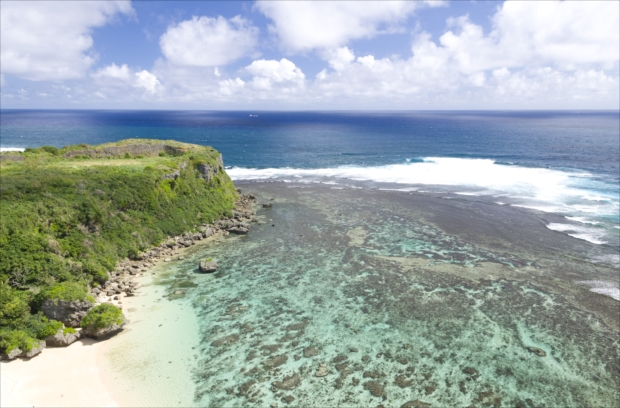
[[398, 306]]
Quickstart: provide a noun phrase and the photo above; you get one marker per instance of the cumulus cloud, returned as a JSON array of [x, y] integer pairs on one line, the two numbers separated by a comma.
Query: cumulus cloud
[[114, 78], [49, 40], [147, 81], [544, 52], [207, 42], [113, 71], [305, 25], [268, 73]]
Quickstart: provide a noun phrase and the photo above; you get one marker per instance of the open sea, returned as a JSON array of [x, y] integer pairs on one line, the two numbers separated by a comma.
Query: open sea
[[423, 257]]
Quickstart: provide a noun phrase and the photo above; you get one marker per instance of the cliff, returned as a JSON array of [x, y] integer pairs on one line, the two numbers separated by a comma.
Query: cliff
[[70, 215]]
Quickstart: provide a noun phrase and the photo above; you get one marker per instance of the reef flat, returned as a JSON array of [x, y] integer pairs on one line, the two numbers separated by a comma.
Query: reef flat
[[363, 297]]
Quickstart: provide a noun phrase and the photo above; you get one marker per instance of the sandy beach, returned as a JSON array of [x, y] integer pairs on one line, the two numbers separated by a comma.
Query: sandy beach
[[66, 376]]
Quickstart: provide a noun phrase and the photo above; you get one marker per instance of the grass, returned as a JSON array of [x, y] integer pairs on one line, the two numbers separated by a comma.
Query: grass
[[66, 222]]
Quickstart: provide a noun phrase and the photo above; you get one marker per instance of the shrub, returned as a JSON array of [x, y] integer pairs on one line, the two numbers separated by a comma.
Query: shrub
[[68, 330], [103, 315], [51, 149], [70, 291], [40, 327], [12, 339]]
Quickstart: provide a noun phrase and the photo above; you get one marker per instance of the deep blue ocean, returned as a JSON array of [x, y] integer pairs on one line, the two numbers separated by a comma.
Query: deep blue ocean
[[563, 162]]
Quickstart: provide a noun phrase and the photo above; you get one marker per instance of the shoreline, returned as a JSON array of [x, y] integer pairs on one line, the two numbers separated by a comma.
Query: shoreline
[[81, 373]]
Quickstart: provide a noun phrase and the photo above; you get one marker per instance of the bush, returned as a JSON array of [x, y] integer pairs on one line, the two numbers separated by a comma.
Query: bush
[[51, 149], [40, 327], [12, 339], [68, 330], [103, 315], [70, 291]]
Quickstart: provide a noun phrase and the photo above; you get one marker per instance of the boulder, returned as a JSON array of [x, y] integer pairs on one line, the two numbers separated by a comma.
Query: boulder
[[36, 349], [62, 340], [239, 230], [267, 205], [12, 355], [208, 266], [68, 312], [91, 331]]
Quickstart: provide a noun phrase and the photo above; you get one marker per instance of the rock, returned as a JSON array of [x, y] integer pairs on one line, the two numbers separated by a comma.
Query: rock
[[470, 371], [208, 266], [275, 361], [62, 340], [288, 399], [167, 260], [288, 383], [207, 233], [537, 351], [68, 312], [13, 354], [310, 351], [375, 388], [90, 331], [239, 230], [401, 381], [181, 258], [226, 340], [187, 243], [415, 404], [322, 371], [36, 349], [267, 205]]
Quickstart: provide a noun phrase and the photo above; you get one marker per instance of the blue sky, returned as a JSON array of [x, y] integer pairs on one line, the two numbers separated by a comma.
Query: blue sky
[[310, 55]]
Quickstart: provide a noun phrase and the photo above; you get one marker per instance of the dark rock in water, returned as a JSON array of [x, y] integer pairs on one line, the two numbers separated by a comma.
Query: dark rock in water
[[429, 390], [244, 388], [226, 340], [489, 398], [372, 374], [415, 404], [288, 383], [339, 358], [70, 313], [288, 399], [267, 205], [208, 266], [91, 331], [297, 326], [60, 339], [401, 381], [375, 388], [310, 351], [239, 230], [187, 243], [275, 361], [472, 372], [537, 351], [366, 358], [353, 350]]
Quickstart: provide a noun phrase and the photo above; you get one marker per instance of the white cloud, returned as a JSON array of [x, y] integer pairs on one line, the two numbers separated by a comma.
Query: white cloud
[[305, 25], [339, 58], [231, 86], [268, 73], [208, 42], [147, 80], [49, 40], [114, 71]]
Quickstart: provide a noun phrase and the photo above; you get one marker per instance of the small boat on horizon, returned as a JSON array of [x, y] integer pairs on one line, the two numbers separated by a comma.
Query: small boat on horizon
[[253, 116]]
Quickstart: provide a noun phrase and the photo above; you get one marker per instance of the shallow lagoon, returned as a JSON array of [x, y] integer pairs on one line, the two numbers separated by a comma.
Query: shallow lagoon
[[403, 296]]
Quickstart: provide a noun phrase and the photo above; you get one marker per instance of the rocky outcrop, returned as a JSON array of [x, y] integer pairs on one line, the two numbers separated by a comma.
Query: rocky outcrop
[[10, 157], [98, 333], [60, 339], [133, 149], [68, 312], [208, 266], [13, 354]]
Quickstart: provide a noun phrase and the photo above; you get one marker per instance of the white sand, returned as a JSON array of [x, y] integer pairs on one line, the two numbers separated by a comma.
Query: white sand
[[58, 377]]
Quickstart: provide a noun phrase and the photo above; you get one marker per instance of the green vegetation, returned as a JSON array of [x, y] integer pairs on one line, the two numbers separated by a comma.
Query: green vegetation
[[66, 291], [208, 259], [103, 315], [70, 215]]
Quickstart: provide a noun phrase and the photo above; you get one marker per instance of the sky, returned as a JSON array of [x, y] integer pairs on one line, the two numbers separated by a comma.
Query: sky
[[310, 55]]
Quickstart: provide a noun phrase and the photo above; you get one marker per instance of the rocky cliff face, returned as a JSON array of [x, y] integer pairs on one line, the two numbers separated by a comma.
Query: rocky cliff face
[[132, 149], [209, 171], [70, 313]]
